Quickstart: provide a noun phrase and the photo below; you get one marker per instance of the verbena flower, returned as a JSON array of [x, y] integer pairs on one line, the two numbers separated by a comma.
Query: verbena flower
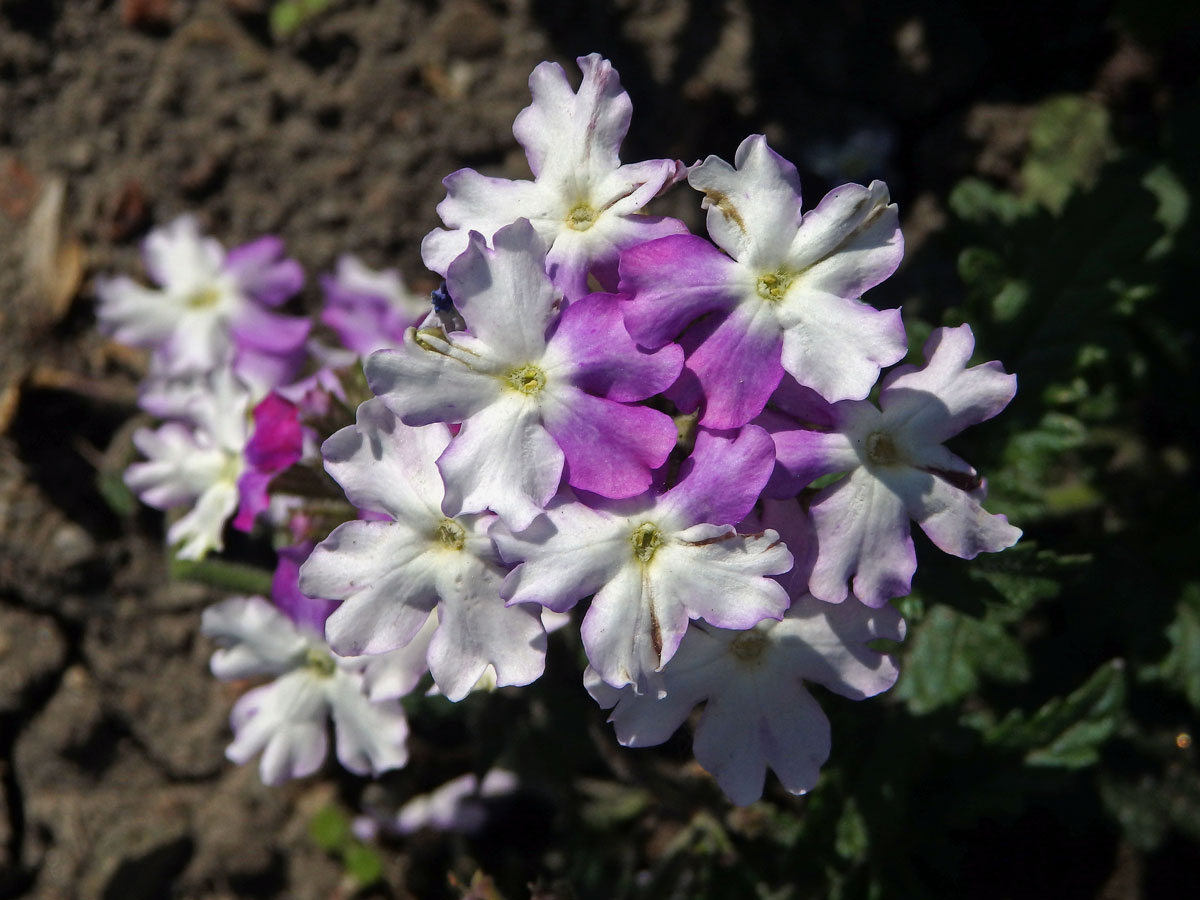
[[757, 711], [582, 201], [534, 389], [287, 719], [782, 296], [656, 561], [391, 573], [196, 459], [897, 470], [209, 306]]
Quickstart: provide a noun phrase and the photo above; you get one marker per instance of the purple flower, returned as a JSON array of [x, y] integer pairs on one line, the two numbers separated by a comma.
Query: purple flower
[[276, 443], [535, 390], [783, 296]]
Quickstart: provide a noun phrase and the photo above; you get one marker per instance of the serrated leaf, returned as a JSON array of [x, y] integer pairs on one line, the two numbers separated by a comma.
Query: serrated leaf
[[1068, 731], [951, 654]]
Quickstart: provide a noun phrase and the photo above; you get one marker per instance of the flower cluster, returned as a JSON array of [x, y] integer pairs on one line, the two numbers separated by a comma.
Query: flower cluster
[[599, 410]]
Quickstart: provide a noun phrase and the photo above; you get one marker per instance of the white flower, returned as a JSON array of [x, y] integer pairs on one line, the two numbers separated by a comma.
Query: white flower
[[391, 574], [656, 561], [286, 719], [196, 459], [757, 711], [583, 203]]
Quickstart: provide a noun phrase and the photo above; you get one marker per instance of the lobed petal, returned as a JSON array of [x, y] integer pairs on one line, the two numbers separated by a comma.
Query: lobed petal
[[423, 386], [566, 554], [717, 574], [577, 132], [386, 466], [736, 363], [286, 721], [836, 346], [673, 281], [609, 448], [862, 533], [945, 396], [754, 205], [720, 482], [370, 735], [849, 243], [504, 295], [253, 638], [387, 575], [591, 348], [503, 459], [477, 629]]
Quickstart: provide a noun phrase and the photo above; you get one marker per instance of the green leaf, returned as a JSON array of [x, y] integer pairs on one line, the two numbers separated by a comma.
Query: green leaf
[[1068, 143], [1068, 731], [363, 864], [851, 840], [1180, 668], [288, 15], [974, 200], [330, 829], [951, 653]]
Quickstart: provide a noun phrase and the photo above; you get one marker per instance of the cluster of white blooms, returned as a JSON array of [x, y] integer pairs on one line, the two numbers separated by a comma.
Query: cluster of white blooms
[[599, 410]]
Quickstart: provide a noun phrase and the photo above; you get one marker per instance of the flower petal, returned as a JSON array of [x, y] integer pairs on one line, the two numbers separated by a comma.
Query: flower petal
[[477, 629], [754, 205], [721, 480], [673, 281], [371, 736], [945, 396], [253, 638], [862, 532], [503, 459], [386, 466], [591, 347], [387, 576], [504, 295], [836, 346], [610, 448]]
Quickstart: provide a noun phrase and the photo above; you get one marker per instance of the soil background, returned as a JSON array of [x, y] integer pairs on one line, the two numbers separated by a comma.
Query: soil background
[[115, 116]]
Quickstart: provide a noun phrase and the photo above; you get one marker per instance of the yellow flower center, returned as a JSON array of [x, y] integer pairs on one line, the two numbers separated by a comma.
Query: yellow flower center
[[320, 663], [450, 534], [646, 539], [204, 298], [773, 285], [526, 380], [581, 217]]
